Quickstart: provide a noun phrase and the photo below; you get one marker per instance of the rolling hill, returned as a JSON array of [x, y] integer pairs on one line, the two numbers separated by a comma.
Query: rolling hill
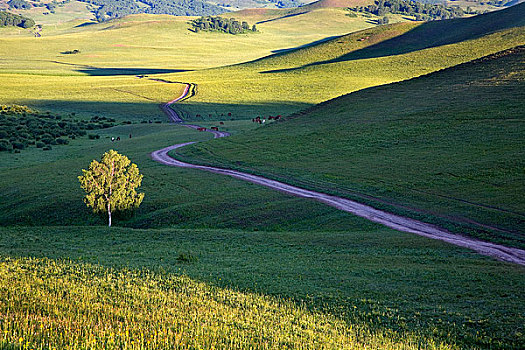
[[112, 54], [444, 147], [210, 261]]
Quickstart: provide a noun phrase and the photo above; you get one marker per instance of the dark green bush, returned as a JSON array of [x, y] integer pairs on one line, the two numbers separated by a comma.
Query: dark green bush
[[18, 145], [5, 145]]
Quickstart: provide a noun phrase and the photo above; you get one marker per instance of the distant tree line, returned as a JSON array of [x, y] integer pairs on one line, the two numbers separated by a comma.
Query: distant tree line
[[497, 3], [10, 19], [224, 25], [421, 11], [286, 3], [19, 4], [109, 9], [25, 5]]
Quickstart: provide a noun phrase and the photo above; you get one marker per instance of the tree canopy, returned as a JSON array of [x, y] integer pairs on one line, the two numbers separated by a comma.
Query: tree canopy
[[422, 11], [111, 184], [224, 25], [10, 19]]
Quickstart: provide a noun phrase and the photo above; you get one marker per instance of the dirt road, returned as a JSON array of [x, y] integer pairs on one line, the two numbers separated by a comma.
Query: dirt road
[[509, 254]]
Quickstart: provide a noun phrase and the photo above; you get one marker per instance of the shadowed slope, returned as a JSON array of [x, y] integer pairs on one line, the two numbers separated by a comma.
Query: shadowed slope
[[444, 148]]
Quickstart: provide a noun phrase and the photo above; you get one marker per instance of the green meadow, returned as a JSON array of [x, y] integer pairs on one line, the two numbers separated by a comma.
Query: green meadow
[[362, 288], [112, 55], [445, 148], [211, 262]]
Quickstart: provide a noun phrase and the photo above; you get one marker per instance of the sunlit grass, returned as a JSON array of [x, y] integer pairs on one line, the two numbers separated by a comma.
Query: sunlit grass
[[59, 304]]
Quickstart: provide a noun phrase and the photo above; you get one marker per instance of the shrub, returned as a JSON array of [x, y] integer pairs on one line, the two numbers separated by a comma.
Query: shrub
[[5, 146], [187, 257], [18, 145], [40, 145], [47, 148]]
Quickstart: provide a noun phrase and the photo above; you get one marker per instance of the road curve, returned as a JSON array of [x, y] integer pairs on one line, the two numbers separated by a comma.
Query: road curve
[[396, 222]]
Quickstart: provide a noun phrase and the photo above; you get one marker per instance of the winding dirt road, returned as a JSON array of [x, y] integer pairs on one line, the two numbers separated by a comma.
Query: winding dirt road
[[509, 254]]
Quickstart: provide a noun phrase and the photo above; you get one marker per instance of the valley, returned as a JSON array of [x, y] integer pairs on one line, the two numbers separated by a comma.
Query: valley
[[418, 125]]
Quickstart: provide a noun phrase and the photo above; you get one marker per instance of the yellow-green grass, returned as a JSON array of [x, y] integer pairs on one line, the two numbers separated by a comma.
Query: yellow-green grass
[[149, 40], [386, 289], [49, 304], [446, 148], [288, 82], [144, 45], [40, 188], [124, 98]]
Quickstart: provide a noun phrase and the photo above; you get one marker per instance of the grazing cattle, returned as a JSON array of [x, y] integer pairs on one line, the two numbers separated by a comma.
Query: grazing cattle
[[129, 135], [201, 129], [112, 139], [215, 128], [222, 123], [118, 138], [270, 118], [229, 114], [198, 116], [209, 115]]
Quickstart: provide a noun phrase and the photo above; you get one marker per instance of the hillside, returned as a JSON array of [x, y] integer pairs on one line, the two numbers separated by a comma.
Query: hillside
[[440, 147], [211, 262], [103, 75], [291, 80]]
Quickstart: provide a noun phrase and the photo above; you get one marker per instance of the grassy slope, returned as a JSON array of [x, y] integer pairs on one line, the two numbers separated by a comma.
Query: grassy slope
[[141, 309], [446, 147], [359, 265], [84, 81], [288, 82], [398, 286], [40, 188]]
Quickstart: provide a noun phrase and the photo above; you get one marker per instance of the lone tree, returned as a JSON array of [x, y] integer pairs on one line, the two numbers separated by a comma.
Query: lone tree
[[111, 184]]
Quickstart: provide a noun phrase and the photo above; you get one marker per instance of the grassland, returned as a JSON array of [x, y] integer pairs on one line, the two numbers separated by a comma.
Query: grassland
[[448, 150], [40, 188], [289, 81], [370, 288], [102, 77], [212, 261]]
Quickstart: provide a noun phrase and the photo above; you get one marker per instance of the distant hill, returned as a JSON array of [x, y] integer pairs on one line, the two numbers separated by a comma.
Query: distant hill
[[408, 37], [338, 3]]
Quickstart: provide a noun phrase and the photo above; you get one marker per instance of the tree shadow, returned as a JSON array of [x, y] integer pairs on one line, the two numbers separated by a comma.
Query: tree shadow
[[86, 24]]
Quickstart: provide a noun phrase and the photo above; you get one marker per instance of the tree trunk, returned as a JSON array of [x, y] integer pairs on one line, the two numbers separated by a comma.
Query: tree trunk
[[109, 214]]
